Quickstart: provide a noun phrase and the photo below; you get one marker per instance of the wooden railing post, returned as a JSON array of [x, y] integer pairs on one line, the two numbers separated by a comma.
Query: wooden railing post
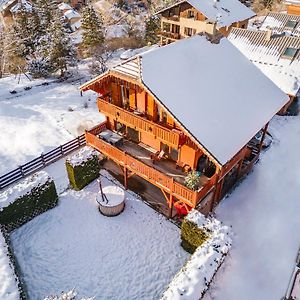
[[125, 177], [171, 201], [43, 160]]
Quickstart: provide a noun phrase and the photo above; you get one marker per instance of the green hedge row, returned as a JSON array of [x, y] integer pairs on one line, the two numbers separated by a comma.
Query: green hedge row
[[83, 174], [192, 236], [26, 207]]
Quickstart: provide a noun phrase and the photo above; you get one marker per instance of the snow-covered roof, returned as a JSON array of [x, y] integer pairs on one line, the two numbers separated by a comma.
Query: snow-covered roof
[[5, 3], [292, 2], [282, 23], [76, 26], [224, 12], [213, 90], [64, 6], [23, 3], [268, 56], [71, 14]]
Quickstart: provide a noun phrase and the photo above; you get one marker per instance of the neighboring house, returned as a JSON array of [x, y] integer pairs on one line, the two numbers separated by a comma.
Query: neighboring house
[[293, 6], [9, 10], [186, 18], [191, 105], [77, 3], [275, 50]]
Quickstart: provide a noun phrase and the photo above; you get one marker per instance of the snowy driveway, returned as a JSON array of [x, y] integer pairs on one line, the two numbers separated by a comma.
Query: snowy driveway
[[264, 211]]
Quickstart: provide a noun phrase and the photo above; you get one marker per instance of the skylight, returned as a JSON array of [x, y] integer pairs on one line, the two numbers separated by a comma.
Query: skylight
[[291, 24], [290, 52]]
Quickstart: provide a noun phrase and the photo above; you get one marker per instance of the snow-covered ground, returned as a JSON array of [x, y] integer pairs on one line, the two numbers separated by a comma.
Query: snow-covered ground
[[264, 212], [132, 256]]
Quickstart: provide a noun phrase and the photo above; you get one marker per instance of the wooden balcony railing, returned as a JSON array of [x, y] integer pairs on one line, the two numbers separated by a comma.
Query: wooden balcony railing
[[167, 136], [170, 35], [159, 179]]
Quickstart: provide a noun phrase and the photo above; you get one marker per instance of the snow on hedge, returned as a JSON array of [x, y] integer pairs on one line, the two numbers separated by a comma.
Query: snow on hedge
[[193, 279], [23, 188], [83, 155], [8, 281]]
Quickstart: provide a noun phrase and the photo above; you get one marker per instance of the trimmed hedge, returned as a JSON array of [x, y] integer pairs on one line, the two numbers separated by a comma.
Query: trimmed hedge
[[81, 175], [192, 236], [14, 263], [28, 206]]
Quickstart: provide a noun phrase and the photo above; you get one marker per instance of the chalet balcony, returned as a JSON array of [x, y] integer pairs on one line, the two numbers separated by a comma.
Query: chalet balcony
[[138, 160], [170, 136], [170, 35]]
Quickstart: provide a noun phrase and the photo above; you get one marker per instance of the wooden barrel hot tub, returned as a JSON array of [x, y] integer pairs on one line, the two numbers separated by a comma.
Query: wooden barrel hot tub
[[112, 202]]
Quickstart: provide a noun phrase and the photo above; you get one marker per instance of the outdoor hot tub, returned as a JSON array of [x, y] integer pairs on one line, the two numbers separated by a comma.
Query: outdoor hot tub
[[112, 201]]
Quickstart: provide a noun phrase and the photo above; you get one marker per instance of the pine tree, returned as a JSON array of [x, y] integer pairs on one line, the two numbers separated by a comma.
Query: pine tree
[[92, 30], [60, 51], [151, 30]]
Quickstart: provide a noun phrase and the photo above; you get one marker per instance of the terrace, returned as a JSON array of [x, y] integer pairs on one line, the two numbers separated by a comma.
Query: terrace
[[135, 159]]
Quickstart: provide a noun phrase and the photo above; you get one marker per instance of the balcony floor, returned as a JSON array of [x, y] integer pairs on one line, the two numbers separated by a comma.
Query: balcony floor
[[165, 166]]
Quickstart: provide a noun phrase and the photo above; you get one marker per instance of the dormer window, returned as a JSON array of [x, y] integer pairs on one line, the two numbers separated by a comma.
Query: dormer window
[[291, 24], [290, 53]]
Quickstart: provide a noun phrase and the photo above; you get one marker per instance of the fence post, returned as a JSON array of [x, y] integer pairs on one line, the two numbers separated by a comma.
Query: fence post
[[43, 160], [61, 150], [78, 141], [21, 170]]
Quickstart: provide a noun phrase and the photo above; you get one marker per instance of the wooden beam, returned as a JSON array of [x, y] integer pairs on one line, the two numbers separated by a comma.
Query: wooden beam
[[125, 178], [263, 137]]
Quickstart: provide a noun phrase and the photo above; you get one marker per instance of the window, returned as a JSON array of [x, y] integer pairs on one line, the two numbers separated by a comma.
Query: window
[[291, 24], [190, 14], [166, 27], [290, 53], [125, 96], [175, 28], [189, 31]]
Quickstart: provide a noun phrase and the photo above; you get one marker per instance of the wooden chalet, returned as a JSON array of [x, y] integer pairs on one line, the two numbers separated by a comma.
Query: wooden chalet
[[189, 17], [183, 107]]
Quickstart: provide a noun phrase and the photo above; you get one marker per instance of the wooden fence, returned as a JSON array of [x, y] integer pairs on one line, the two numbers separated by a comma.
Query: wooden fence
[[41, 162]]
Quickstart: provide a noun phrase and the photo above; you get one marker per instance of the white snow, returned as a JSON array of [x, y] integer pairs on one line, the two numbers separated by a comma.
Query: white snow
[[213, 91], [264, 212], [22, 188], [82, 156], [114, 194], [132, 256], [42, 118], [8, 283], [71, 14], [194, 278], [115, 31]]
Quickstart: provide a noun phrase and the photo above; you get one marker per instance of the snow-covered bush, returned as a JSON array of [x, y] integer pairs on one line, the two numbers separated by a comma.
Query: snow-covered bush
[[193, 280], [39, 67], [9, 282], [83, 167], [192, 180], [192, 236], [27, 199]]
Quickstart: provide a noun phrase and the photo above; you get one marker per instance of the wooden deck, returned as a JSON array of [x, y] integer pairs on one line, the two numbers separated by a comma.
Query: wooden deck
[[162, 174]]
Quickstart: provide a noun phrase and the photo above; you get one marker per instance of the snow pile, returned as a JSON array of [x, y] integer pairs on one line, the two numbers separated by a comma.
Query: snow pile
[[194, 278], [8, 281], [23, 188], [82, 156], [114, 195], [71, 295]]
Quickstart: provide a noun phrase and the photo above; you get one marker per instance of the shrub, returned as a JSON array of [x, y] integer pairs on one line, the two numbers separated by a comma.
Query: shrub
[[27, 199], [192, 180], [192, 236], [83, 168]]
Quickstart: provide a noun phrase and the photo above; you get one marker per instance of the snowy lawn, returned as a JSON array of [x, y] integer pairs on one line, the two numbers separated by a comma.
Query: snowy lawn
[[132, 256], [264, 212]]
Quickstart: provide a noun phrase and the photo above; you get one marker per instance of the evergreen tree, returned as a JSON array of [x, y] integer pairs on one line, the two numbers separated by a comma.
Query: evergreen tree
[[60, 51], [92, 30], [192, 180], [151, 30]]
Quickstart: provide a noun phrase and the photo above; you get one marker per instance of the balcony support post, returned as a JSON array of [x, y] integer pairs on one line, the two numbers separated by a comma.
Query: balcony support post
[[125, 178]]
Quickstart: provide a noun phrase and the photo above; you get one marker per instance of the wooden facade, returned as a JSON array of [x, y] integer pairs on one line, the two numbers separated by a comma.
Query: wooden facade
[[135, 114], [183, 20]]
